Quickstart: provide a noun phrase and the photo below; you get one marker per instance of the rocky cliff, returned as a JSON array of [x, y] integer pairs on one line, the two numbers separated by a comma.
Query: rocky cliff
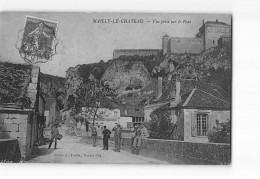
[[213, 65], [122, 74], [132, 74], [53, 87]]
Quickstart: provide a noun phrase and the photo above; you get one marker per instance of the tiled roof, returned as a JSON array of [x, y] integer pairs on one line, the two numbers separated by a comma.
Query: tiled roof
[[196, 94], [168, 90], [184, 97], [213, 89], [202, 99], [16, 87]]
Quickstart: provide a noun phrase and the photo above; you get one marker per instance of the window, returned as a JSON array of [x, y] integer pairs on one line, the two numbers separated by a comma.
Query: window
[[137, 120], [115, 114], [202, 123]]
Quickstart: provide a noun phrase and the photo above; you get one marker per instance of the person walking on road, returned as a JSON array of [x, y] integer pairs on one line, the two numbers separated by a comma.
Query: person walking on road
[[94, 136], [87, 125], [141, 133], [118, 137], [106, 135], [54, 135]]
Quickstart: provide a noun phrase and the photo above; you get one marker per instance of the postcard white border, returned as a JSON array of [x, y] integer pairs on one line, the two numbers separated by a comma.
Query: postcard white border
[[246, 61]]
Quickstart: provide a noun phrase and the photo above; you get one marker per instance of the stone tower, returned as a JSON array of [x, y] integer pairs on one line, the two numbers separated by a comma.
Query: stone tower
[[165, 40]]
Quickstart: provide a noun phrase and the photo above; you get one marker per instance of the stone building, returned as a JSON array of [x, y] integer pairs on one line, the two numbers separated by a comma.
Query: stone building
[[209, 35], [194, 106], [20, 105], [131, 115]]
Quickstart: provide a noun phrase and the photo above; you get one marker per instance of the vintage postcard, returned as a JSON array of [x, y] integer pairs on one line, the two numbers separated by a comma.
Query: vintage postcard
[[115, 88]]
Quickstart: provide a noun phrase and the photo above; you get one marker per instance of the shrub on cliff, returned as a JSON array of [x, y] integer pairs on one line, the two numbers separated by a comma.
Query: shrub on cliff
[[222, 135], [161, 126]]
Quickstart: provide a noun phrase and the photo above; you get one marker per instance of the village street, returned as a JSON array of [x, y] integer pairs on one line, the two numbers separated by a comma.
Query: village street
[[71, 150]]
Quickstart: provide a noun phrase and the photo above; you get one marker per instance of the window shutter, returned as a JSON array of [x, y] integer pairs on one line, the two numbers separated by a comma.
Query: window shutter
[[208, 125], [193, 124]]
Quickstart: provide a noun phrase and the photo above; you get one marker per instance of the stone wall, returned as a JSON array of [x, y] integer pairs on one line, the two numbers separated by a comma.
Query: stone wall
[[9, 151], [213, 32], [16, 124], [177, 152], [132, 52], [185, 45]]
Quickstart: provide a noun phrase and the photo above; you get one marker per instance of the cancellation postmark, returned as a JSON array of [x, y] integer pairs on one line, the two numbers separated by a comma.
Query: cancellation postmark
[[38, 42]]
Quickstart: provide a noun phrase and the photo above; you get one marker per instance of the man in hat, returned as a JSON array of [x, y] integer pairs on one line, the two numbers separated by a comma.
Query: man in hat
[[141, 133], [118, 137], [94, 136], [106, 135], [54, 135]]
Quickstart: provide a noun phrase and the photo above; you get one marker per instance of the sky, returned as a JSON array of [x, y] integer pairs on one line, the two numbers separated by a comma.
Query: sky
[[81, 41]]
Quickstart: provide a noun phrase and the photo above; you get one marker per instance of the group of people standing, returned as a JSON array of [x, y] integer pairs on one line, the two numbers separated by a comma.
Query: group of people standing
[[140, 132], [106, 135]]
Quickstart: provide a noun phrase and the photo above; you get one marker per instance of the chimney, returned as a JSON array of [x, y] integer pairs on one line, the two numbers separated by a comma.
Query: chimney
[[216, 20], [203, 22], [177, 93], [158, 90], [178, 90]]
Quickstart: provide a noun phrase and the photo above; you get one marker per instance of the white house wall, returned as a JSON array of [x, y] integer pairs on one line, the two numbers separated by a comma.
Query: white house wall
[[108, 117], [124, 120], [189, 115]]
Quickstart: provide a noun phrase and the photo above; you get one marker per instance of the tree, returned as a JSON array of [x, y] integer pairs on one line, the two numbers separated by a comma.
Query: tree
[[71, 101], [92, 96], [223, 135], [161, 126]]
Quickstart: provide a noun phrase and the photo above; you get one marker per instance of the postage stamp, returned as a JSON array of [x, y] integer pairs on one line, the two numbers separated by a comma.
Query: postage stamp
[[38, 41]]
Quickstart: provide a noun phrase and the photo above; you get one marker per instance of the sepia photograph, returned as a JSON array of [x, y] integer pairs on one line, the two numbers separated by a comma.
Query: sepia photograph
[[116, 88]]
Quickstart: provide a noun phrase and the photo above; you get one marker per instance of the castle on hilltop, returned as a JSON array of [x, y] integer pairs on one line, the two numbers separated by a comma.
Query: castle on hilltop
[[211, 34]]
